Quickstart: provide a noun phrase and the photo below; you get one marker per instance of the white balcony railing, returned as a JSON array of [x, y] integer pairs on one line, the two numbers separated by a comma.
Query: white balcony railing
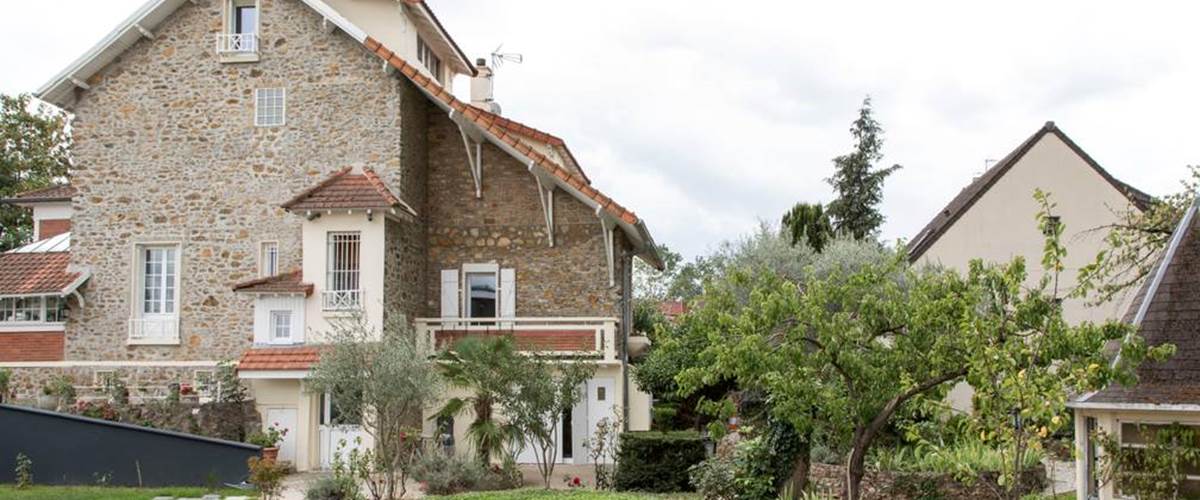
[[341, 300], [565, 337], [155, 330], [237, 43]]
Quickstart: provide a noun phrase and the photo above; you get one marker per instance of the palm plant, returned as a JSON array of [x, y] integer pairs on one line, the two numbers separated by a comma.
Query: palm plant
[[487, 367]]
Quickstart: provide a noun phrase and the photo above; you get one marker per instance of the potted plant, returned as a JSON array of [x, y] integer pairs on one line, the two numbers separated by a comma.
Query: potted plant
[[269, 441]]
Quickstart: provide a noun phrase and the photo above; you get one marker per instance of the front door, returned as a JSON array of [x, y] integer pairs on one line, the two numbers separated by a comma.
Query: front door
[[285, 418], [600, 406]]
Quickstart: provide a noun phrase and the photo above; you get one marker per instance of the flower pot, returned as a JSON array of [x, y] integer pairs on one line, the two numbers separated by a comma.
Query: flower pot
[[270, 453]]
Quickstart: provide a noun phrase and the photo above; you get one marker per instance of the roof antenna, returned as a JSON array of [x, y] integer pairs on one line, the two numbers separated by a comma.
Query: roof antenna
[[499, 58]]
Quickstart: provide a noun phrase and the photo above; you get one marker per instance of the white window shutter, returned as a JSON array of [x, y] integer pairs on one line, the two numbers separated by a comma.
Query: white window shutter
[[508, 293], [450, 293]]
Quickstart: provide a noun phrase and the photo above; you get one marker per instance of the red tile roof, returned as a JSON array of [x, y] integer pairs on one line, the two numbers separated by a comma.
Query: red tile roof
[[279, 358], [35, 273], [536, 135], [289, 282], [499, 131], [58, 192], [345, 190]]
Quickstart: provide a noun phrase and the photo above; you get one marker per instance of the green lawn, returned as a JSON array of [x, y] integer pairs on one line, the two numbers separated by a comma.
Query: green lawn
[[10, 492], [573, 494]]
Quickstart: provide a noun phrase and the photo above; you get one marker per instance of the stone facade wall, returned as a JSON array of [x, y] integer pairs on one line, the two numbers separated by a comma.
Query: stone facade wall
[[404, 267], [506, 226], [167, 151], [31, 346]]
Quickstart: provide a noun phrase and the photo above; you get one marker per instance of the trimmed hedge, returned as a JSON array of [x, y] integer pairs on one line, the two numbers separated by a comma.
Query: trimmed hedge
[[658, 461]]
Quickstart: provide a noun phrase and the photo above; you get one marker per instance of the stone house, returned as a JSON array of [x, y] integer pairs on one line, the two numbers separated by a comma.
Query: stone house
[[994, 218], [250, 171]]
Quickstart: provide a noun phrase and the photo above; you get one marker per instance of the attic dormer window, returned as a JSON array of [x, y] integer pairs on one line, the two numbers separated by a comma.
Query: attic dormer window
[[429, 59], [239, 40]]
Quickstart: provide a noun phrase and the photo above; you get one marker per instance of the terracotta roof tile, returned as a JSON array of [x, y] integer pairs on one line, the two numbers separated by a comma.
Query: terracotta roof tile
[[490, 124], [289, 282], [35, 273], [346, 190], [280, 358]]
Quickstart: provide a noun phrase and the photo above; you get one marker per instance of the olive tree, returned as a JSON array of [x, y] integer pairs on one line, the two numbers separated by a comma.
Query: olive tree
[[387, 379], [546, 390]]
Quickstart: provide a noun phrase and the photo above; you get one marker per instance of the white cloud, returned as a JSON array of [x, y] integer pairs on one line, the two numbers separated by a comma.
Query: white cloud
[[706, 116]]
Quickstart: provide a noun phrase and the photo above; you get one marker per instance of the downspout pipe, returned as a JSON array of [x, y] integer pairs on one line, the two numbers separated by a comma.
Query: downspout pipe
[[626, 327]]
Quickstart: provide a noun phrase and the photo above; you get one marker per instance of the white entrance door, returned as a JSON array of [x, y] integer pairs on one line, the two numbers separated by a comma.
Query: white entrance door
[[600, 406], [332, 434], [284, 418]]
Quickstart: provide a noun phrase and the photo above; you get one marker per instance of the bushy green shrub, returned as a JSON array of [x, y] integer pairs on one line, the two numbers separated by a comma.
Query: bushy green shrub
[[658, 461], [713, 478], [753, 470], [964, 459], [447, 474], [332, 488]]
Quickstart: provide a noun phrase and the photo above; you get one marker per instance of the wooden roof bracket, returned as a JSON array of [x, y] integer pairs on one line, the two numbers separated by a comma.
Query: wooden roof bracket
[[608, 225], [546, 197], [473, 143]]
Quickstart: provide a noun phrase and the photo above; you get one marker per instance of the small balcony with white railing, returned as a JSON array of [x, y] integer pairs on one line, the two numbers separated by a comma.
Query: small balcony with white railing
[[154, 330], [593, 338], [341, 300], [237, 47]]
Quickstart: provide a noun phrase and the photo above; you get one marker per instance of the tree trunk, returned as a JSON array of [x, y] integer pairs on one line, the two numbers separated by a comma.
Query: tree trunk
[[855, 469], [800, 470]]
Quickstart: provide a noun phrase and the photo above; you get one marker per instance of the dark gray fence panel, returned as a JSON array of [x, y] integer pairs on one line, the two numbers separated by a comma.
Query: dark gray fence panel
[[68, 449]]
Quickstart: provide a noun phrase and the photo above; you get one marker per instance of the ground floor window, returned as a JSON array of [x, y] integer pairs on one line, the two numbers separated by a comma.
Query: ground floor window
[[333, 413], [568, 444], [42, 309], [445, 432], [1157, 460]]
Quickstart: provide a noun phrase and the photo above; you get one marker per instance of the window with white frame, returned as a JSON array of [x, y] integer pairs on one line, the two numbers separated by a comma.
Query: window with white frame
[[270, 107], [269, 258], [159, 274], [204, 381], [240, 36], [342, 286], [281, 326], [39, 309], [1143, 441], [428, 58], [481, 294], [101, 378]]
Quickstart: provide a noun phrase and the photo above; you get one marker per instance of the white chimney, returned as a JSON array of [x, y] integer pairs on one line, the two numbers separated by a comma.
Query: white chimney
[[481, 88]]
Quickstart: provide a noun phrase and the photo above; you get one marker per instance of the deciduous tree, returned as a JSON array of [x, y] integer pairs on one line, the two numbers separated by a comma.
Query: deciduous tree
[[34, 152]]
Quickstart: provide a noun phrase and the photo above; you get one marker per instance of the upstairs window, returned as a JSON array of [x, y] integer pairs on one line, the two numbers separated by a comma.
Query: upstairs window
[[269, 259], [429, 59], [342, 291], [281, 326], [270, 107], [481, 295], [159, 270], [239, 40], [245, 18]]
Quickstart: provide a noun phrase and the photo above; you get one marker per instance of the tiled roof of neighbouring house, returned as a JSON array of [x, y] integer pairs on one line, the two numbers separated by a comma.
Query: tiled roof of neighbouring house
[[58, 192], [279, 358], [1170, 317], [289, 282], [32, 273], [347, 190], [970, 194]]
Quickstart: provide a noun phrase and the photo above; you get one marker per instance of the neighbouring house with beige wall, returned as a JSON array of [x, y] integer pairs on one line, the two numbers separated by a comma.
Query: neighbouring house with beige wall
[[994, 219], [249, 172]]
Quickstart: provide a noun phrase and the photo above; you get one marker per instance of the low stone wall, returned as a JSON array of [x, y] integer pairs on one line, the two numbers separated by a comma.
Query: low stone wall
[[828, 479]]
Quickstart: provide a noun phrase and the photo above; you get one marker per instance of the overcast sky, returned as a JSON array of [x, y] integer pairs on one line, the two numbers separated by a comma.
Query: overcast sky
[[705, 117]]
